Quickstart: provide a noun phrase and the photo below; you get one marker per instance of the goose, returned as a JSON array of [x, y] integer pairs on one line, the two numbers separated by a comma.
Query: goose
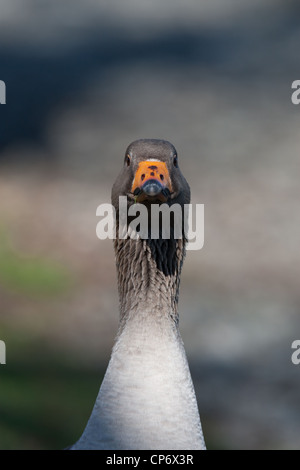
[[147, 399]]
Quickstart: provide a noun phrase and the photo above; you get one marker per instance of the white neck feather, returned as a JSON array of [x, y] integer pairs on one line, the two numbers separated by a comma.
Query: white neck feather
[[147, 398]]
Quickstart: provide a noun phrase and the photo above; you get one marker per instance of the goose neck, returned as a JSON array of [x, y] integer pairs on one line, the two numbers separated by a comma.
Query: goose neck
[[149, 277]]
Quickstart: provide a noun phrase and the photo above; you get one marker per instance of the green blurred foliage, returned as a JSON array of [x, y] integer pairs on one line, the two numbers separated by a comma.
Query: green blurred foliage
[[45, 395], [33, 276]]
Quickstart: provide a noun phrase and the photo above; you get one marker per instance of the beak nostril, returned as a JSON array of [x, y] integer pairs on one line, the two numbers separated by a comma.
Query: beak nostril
[[136, 192], [161, 177], [143, 177]]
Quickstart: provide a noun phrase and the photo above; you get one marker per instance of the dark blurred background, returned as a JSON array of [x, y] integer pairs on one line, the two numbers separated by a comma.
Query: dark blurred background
[[83, 80]]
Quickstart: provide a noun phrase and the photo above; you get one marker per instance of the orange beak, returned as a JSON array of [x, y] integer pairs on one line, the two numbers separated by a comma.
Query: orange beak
[[152, 180]]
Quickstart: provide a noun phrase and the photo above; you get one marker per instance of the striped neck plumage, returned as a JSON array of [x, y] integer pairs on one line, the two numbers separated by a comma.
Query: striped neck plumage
[[149, 276]]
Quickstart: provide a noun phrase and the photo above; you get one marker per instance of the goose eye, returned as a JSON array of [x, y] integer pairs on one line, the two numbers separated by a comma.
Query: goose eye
[[175, 161], [127, 160]]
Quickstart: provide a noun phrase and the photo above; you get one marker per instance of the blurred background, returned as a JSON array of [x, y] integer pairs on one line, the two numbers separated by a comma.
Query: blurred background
[[83, 80]]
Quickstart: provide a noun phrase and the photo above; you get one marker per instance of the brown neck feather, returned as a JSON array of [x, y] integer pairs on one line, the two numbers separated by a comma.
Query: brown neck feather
[[149, 276]]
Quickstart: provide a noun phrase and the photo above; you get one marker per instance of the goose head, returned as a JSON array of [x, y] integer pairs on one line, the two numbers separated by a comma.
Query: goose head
[[151, 174]]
